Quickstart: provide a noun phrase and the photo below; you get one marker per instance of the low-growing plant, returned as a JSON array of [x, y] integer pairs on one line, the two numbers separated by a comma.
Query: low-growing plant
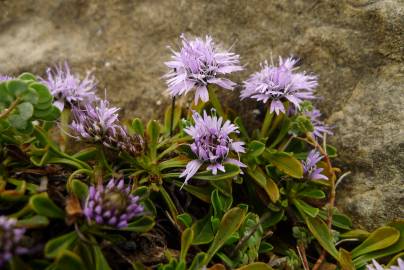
[[198, 191]]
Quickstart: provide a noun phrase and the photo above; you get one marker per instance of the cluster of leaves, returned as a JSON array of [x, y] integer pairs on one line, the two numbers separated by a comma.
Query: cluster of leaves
[[266, 216]]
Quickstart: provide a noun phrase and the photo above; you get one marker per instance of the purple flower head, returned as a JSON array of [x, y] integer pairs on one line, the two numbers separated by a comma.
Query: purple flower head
[[5, 78], [10, 237], [319, 126], [199, 63], [112, 205], [280, 83], [376, 266], [99, 123], [212, 144], [68, 89], [310, 169]]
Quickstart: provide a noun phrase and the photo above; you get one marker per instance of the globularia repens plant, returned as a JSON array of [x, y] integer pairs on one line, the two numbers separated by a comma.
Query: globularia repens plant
[[198, 191]]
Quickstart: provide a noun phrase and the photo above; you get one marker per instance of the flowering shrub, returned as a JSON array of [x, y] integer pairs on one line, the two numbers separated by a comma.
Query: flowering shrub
[[199, 191]]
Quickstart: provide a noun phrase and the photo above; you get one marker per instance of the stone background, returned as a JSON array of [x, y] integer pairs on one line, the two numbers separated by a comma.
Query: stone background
[[355, 46]]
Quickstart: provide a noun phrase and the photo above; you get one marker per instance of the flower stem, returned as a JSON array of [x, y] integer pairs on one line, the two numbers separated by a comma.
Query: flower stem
[[7, 111], [267, 122], [172, 116], [214, 100], [64, 125]]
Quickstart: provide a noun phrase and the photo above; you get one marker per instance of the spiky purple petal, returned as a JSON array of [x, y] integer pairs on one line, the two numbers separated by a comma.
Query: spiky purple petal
[[310, 169], [10, 237], [199, 63], [276, 84], [212, 144]]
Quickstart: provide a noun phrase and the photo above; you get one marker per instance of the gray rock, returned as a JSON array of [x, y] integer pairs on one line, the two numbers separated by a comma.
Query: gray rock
[[356, 48]]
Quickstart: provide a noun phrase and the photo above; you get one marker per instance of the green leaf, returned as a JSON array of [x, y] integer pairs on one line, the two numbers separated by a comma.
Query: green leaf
[[42, 91], [167, 118], [305, 208], [273, 219], [256, 266], [256, 148], [338, 220], [320, 231], [79, 189], [265, 247], [33, 222], [230, 223], [241, 127], [345, 260], [30, 96], [285, 162], [140, 224], [26, 76], [282, 132], [17, 121], [331, 151], [381, 238], [393, 249], [203, 233], [68, 260], [153, 131], [231, 171], [16, 87], [137, 126], [186, 240], [265, 182], [357, 233], [185, 219], [312, 193], [220, 203], [100, 261], [224, 186], [25, 110], [197, 262], [44, 206], [86, 154], [57, 245], [202, 193]]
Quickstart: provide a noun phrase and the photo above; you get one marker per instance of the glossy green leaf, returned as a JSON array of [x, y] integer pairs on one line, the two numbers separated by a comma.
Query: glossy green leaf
[[312, 193], [230, 223], [224, 186], [57, 245], [381, 238], [185, 219], [203, 233], [220, 203], [44, 206], [397, 247], [320, 231], [265, 182], [33, 222], [202, 193], [305, 208], [100, 262], [17, 121], [265, 247], [241, 127], [26, 76], [137, 126], [338, 220], [86, 154], [345, 260], [186, 240], [197, 262], [140, 224], [79, 189], [231, 170], [285, 162], [357, 233], [256, 148], [16, 87], [68, 260]]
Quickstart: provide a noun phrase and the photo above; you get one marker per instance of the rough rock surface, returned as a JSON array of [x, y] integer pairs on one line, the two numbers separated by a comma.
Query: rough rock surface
[[356, 47]]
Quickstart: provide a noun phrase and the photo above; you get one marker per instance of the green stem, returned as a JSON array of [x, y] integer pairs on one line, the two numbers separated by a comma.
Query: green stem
[[64, 126], [103, 160], [267, 122], [172, 116], [214, 100]]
